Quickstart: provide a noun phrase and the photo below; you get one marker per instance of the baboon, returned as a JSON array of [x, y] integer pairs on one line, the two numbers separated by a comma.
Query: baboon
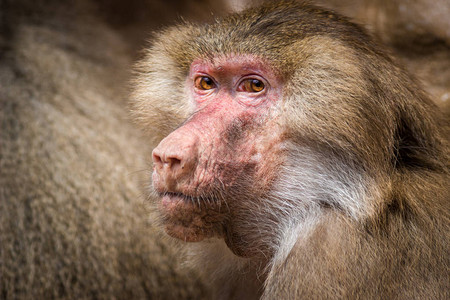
[[298, 155], [72, 219]]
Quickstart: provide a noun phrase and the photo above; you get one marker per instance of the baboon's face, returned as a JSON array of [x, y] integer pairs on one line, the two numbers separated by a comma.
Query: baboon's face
[[226, 154]]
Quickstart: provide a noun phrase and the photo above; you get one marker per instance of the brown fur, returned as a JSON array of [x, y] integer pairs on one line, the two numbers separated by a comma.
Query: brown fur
[[72, 220], [359, 207], [416, 31]]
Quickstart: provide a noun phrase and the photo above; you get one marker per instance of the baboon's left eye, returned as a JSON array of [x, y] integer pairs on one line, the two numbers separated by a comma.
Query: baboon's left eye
[[253, 85]]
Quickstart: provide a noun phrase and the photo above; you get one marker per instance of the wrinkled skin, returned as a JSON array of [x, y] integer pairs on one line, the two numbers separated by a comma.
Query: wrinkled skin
[[224, 152]]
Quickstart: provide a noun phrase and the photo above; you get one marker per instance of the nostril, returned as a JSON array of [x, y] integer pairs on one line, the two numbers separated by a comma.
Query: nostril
[[166, 160], [156, 158], [173, 161]]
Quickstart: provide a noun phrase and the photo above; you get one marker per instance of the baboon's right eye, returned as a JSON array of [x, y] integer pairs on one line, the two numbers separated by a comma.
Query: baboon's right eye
[[204, 83]]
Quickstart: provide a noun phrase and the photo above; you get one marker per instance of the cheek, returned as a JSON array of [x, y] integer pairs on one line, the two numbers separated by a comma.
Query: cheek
[[268, 156], [254, 156]]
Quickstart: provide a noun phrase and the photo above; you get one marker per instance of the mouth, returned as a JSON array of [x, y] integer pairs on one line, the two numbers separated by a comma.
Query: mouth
[[172, 196]]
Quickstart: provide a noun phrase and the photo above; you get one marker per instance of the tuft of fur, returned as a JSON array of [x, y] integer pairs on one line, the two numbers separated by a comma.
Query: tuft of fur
[[358, 209]]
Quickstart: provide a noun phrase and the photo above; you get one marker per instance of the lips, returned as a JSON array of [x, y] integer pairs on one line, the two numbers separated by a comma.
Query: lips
[[180, 208], [172, 203]]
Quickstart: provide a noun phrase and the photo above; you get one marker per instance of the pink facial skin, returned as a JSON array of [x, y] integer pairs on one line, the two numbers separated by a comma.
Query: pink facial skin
[[227, 151]]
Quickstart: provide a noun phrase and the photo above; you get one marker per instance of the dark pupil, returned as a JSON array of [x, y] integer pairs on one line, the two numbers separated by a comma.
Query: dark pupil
[[257, 83], [207, 81]]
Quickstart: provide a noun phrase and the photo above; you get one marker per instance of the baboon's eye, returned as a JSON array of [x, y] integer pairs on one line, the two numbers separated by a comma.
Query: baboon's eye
[[204, 83], [253, 85]]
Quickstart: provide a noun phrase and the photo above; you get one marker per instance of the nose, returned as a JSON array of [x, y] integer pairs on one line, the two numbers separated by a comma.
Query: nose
[[174, 159]]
